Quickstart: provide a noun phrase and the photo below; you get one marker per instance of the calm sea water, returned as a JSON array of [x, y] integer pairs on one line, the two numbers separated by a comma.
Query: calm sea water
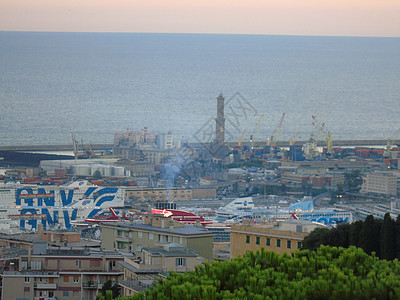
[[52, 84]]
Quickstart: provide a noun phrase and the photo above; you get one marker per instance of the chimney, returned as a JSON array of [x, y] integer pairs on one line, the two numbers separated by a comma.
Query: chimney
[[39, 229], [29, 255]]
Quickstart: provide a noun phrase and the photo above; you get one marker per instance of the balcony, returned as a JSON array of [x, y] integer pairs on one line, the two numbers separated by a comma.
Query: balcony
[[124, 239], [45, 286], [92, 285]]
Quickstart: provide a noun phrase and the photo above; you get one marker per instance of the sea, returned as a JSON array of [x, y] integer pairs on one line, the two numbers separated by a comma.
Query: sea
[[97, 84]]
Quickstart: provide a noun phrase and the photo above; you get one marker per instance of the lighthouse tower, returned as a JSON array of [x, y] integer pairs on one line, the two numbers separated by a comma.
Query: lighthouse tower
[[220, 120]]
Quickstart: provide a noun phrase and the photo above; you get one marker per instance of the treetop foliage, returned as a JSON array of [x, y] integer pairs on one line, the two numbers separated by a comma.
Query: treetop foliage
[[327, 273], [379, 236]]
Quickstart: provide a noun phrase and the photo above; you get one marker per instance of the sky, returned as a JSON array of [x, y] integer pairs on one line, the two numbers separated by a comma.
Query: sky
[[277, 17]]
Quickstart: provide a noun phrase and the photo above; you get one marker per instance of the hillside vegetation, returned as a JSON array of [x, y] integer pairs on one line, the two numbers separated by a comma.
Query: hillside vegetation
[[327, 273]]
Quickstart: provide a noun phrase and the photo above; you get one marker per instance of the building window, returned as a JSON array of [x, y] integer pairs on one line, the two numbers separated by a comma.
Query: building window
[[26, 279], [268, 243], [298, 245], [180, 240], [66, 279], [258, 240], [76, 279], [160, 238], [247, 239], [51, 294], [289, 244], [278, 243], [65, 293], [181, 261], [140, 234], [77, 263], [151, 236]]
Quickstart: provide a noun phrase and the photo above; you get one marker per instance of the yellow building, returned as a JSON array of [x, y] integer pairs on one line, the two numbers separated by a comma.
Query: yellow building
[[285, 236]]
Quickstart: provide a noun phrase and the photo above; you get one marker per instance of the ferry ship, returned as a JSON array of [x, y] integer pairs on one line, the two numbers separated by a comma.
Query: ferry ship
[[56, 205], [244, 208]]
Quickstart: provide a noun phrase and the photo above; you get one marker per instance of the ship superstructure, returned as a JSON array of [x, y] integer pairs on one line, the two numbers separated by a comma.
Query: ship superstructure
[[244, 208], [56, 205]]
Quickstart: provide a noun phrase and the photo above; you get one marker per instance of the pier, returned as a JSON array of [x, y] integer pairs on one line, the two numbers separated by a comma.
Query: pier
[[338, 143], [52, 147]]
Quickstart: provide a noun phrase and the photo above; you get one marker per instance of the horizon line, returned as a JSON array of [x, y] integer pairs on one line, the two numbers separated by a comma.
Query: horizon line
[[200, 33]]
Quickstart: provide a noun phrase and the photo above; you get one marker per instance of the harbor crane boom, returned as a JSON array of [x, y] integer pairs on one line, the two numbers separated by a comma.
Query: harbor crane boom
[[275, 134], [75, 145], [241, 138], [390, 143], [254, 136], [293, 140]]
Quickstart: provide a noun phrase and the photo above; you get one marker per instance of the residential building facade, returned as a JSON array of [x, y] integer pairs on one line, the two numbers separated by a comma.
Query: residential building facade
[[61, 273], [286, 236], [383, 183], [153, 231], [143, 271]]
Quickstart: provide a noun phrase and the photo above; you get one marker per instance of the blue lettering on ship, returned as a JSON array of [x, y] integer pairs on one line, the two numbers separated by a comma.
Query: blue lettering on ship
[[66, 198], [329, 219]]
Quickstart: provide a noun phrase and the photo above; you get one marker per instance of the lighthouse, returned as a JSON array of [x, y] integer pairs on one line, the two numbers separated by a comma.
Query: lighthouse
[[220, 121]]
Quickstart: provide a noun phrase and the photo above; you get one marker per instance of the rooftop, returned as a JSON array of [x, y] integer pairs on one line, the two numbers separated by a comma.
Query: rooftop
[[185, 230], [171, 250]]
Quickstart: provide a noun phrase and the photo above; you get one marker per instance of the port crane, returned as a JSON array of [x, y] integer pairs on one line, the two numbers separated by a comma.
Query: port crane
[[321, 134], [75, 146], [241, 138], [254, 136], [390, 141], [275, 134], [293, 140]]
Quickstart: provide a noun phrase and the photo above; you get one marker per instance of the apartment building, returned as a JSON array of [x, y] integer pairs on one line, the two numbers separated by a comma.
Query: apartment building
[[64, 273], [380, 182], [285, 236], [153, 231], [155, 261]]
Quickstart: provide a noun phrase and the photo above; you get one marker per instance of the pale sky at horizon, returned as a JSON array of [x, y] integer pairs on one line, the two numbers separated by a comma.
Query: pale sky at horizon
[[284, 17]]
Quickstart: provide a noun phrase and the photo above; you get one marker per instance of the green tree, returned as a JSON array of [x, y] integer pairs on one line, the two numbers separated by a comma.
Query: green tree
[[354, 233], [369, 236], [397, 236], [97, 174], [327, 273], [339, 236], [387, 235], [316, 238], [109, 289]]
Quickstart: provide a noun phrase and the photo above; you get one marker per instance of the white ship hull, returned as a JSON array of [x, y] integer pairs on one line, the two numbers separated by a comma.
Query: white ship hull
[[56, 205]]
